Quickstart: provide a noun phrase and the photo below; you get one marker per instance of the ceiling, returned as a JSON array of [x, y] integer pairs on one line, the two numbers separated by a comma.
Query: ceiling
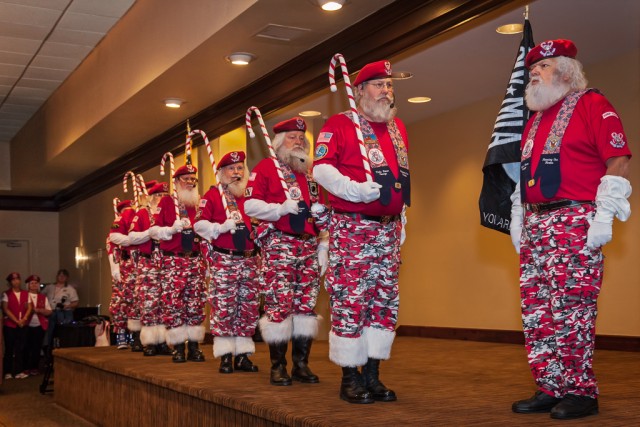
[[461, 60]]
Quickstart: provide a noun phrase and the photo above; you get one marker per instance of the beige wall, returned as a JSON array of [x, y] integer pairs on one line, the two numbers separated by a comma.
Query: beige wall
[[455, 273]]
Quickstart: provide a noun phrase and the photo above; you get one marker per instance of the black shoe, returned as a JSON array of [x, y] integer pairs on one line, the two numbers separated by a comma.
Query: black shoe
[[279, 375], [136, 346], [150, 350], [539, 402], [575, 406], [226, 364], [370, 373], [300, 348], [163, 349], [352, 388], [178, 354], [242, 363], [195, 354]]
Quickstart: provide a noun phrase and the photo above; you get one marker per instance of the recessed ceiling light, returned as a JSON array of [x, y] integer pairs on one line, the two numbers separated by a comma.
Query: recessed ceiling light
[[509, 29], [419, 99], [309, 113], [173, 102], [331, 5], [240, 58]]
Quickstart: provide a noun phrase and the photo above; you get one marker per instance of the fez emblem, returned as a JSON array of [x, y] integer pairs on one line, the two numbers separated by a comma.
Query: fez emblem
[[300, 123], [547, 48], [387, 67], [235, 157]]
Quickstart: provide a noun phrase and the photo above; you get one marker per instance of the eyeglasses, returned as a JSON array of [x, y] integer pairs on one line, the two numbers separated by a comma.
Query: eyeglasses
[[381, 85], [187, 180]]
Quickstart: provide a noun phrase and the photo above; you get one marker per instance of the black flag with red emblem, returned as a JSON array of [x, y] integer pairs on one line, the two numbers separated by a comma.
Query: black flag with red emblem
[[501, 168]]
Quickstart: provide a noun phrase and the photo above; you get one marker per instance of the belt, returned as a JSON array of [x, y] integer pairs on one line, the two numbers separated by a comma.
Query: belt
[[303, 236], [557, 204], [190, 254], [140, 254], [384, 219], [245, 254]]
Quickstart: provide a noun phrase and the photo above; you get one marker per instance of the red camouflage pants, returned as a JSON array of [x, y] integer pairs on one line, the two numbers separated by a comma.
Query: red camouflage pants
[[291, 276], [362, 278], [121, 297], [149, 292], [183, 293], [233, 295], [560, 280]]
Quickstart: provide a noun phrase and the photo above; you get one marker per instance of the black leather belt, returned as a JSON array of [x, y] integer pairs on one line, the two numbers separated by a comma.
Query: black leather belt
[[191, 254], [125, 256], [384, 219], [245, 254], [556, 204]]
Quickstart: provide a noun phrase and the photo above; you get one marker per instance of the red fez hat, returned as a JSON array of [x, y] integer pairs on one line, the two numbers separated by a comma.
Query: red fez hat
[[231, 158], [123, 204], [185, 170], [12, 276], [550, 49], [293, 124], [32, 278], [160, 187], [149, 184]]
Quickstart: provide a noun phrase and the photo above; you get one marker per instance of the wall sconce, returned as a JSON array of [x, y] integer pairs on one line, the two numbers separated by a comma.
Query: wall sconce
[[240, 58], [81, 257], [173, 102]]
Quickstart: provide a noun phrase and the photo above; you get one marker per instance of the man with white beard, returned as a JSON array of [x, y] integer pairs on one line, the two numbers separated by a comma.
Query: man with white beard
[[573, 182], [181, 267], [233, 265], [366, 231], [294, 256]]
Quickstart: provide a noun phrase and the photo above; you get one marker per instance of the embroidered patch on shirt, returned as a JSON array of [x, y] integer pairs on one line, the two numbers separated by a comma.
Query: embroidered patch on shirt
[[248, 191], [617, 140], [321, 151], [609, 114], [252, 177], [324, 137], [202, 203]]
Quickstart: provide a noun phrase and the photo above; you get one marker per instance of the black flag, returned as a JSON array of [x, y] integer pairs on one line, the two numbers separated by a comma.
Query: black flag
[[501, 168]]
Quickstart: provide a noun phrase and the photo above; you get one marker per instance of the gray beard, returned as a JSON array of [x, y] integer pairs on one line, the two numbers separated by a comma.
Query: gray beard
[[378, 112], [189, 198], [236, 188], [297, 159], [542, 96]]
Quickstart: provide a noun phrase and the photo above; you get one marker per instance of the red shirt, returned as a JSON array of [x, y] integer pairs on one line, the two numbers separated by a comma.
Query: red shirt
[[594, 135], [338, 137], [165, 217], [264, 184], [141, 222]]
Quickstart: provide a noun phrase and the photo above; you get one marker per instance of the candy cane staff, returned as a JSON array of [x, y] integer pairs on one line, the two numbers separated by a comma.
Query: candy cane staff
[[181, 266], [291, 249], [365, 228], [234, 287]]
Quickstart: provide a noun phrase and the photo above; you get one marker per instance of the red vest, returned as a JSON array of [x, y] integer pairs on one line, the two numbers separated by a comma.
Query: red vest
[[18, 308], [40, 303]]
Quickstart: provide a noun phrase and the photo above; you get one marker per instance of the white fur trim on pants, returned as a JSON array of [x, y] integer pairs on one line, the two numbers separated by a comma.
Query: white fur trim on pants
[[245, 345], [134, 325], [150, 335], [379, 342], [347, 352], [223, 345], [305, 326], [177, 335], [195, 333], [274, 333]]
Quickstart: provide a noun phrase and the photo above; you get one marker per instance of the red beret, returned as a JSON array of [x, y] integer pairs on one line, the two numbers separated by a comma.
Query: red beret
[[231, 158], [374, 70], [123, 204], [550, 49], [149, 184], [293, 124], [184, 170], [12, 276], [160, 187], [32, 277]]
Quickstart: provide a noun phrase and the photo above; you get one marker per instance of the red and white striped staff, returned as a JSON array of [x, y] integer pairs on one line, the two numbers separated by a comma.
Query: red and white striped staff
[[134, 183], [213, 166], [115, 207], [173, 169], [142, 184], [352, 104], [272, 153]]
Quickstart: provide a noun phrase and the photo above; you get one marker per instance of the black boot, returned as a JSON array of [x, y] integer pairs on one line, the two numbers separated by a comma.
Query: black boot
[[163, 349], [278, 354], [378, 391], [178, 354], [242, 363], [574, 406], [352, 388], [150, 350], [137, 344], [300, 348], [226, 364], [195, 354], [539, 402]]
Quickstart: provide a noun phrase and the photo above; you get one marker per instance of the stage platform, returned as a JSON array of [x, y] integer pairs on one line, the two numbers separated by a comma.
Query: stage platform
[[438, 383]]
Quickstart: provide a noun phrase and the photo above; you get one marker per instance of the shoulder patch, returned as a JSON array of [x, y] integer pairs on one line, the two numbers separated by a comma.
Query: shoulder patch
[[321, 151], [252, 177], [202, 203], [248, 191], [609, 114], [324, 137]]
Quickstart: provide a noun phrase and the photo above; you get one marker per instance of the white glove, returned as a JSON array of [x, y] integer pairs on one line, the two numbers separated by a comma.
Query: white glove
[[119, 239], [323, 257], [161, 233], [403, 221], [288, 207], [262, 210], [611, 201], [517, 217], [212, 230], [138, 237], [227, 226], [115, 269], [178, 226], [345, 188]]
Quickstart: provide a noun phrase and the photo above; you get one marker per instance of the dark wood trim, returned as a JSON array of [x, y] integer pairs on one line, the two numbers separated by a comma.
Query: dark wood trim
[[25, 203], [603, 342]]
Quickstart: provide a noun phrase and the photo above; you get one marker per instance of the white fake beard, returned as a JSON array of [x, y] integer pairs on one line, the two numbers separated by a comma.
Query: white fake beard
[[378, 110], [189, 197], [237, 187], [543, 95], [296, 158]]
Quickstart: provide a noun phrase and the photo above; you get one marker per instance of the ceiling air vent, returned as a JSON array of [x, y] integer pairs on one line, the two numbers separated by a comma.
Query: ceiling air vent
[[282, 32]]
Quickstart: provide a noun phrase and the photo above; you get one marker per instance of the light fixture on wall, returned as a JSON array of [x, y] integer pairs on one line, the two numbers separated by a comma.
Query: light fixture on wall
[[330, 5], [81, 257], [419, 99], [240, 58], [309, 113], [173, 102], [509, 29]]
